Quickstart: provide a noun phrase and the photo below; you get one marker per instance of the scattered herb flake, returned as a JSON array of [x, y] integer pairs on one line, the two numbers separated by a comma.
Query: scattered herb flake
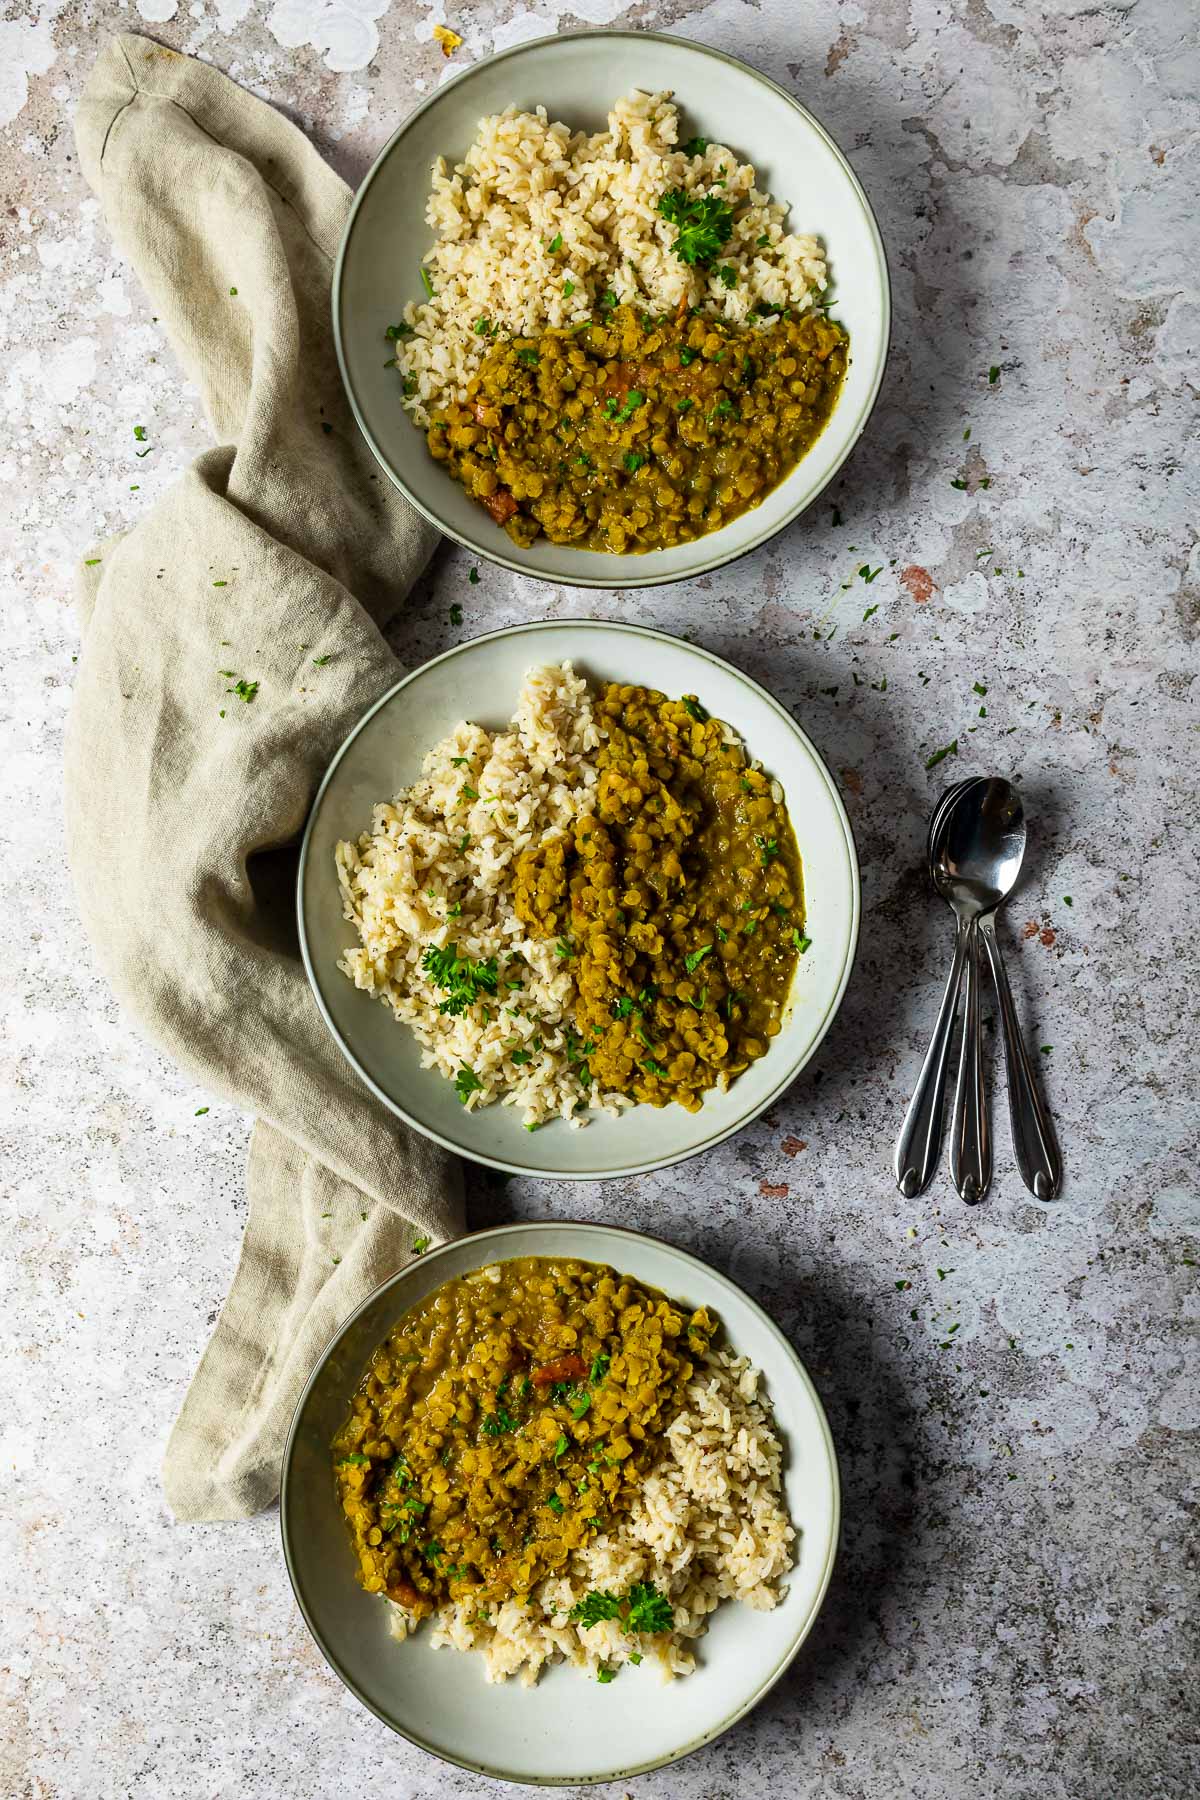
[[950, 749]]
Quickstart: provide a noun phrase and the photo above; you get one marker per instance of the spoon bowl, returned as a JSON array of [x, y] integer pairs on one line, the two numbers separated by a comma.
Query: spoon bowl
[[977, 845]]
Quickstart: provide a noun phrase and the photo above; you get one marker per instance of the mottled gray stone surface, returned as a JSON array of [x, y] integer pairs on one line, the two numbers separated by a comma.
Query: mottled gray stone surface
[[1015, 1609]]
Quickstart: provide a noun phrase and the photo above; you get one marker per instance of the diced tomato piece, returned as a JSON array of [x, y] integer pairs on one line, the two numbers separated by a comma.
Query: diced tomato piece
[[403, 1592], [501, 505], [564, 1368]]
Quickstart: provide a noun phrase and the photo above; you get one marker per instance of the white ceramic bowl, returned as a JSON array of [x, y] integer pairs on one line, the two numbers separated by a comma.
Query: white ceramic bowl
[[567, 1730], [577, 76], [479, 681]]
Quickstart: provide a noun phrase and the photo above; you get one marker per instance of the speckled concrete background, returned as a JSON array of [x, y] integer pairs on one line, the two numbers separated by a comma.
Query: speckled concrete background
[[1014, 1390]]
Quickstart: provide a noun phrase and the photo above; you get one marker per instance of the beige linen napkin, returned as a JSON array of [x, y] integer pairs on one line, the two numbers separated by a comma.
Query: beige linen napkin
[[277, 557]]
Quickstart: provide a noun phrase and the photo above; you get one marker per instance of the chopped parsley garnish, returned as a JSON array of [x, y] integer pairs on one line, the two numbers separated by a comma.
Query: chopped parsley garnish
[[594, 1608], [528, 357], [704, 223], [608, 300], [653, 1068], [623, 1007], [633, 400], [979, 687], [461, 980], [395, 332], [604, 1674], [568, 289], [555, 1505], [497, 1423], [456, 614], [769, 848], [521, 1057], [993, 374], [648, 1609], [355, 1461], [694, 709], [245, 690], [722, 934], [726, 274], [599, 1369], [562, 1446], [762, 242], [139, 432], [684, 406], [695, 146], [692, 963], [634, 460], [460, 762], [420, 1245], [482, 327], [564, 949], [687, 356], [868, 573], [801, 942], [580, 1406], [426, 281], [555, 244], [468, 793], [466, 1083]]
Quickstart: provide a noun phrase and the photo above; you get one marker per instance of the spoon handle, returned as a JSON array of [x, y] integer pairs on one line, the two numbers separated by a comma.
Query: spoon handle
[[971, 1142], [1034, 1144], [920, 1138]]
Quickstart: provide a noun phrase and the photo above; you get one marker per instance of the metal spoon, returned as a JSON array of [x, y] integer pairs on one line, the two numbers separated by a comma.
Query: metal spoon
[[984, 846], [920, 1140]]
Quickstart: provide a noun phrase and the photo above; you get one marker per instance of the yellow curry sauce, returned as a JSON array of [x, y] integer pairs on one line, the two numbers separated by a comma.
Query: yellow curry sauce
[[679, 903], [508, 1418], [632, 433]]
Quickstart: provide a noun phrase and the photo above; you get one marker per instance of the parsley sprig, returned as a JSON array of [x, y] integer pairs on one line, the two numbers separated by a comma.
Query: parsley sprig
[[461, 979], [704, 223], [643, 1609]]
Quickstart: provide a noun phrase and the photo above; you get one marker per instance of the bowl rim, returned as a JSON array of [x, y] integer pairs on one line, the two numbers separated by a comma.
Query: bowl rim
[[588, 1229], [500, 556], [512, 1166]]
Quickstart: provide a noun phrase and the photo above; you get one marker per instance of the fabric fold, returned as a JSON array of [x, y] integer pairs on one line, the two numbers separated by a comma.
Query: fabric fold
[[230, 641]]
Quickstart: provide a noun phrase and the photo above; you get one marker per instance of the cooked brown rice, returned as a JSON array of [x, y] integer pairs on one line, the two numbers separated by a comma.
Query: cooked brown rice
[[438, 866], [526, 185]]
